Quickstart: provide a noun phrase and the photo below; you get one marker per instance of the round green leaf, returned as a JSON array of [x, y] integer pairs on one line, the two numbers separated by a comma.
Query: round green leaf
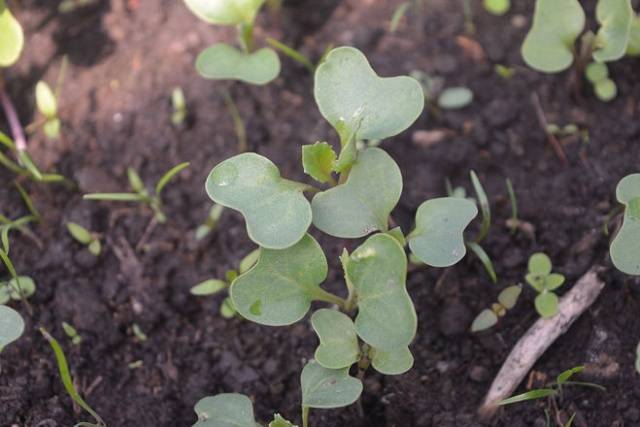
[[346, 86], [392, 362], [318, 160], [225, 410], [509, 296], [485, 320], [633, 47], [225, 12], [606, 90], [23, 286], [497, 7], [12, 37], [338, 340], [549, 45], [625, 248], [46, 100], [208, 287], [547, 304], [539, 263], [79, 233], [386, 317], [5, 293], [222, 62], [455, 97], [328, 388], [596, 71], [615, 18], [363, 203], [438, 237], [227, 309], [554, 281], [277, 213], [279, 289], [628, 188], [11, 326]]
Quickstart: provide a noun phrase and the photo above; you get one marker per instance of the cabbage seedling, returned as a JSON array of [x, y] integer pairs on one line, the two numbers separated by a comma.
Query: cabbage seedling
[[488, 317], [140, 193], [11, 325], [72, 333], [550, 44], [222, 61], [625, 248], [231, 409], [497, 7], [597, 74], [544, 282], [85, 237], [47, 104], [210, 223], [179, 105]]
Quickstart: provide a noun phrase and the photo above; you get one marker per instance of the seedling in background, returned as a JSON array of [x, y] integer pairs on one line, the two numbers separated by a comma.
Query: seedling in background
[[360, 188], [497, 7], [597, 73], [24, 165], [210, 224], [179, 106], [141, 194], [85, 237], [625, 248], [436, 94], [544, 282], [12, 37], [70, 6], [505, 72], [71, 332], [47, 104], [231, 409], [68, 383], [138, 333], [488, 317]]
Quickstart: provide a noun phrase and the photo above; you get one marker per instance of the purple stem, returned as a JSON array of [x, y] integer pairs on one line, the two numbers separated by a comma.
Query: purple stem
[[14, 122]]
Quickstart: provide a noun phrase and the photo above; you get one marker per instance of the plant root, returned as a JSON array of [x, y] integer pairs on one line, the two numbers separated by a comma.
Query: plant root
[[539, 338]]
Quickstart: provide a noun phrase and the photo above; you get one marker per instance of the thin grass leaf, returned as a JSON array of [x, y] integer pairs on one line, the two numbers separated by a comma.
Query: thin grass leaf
[[398, 14], [11, 165], [67, 381], [26, 160], [570, 422], [168, 176], [564, 376], [27, 201], [530, 395], [484, 207], [7, 141], [118, 197], [484, 259], [4, 256], [514, 206], [292, 53]]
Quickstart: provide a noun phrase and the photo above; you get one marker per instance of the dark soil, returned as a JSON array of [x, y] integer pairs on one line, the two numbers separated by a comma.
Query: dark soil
[[126, 56]]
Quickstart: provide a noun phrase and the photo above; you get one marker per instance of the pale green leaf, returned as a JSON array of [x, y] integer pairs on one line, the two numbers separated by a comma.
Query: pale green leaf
[[455, 97], [338, 340], [12, 37], [51, 128], [95, 247], [497, 7], [554, 281], [530, 395], [249, 261], [279, 289], [278, 421], [135, 181], [115, 197], [79, 233], [227, 309], [224, 62], [438, 237], [566, 375], [547, 304], [392, 362], [46, 100], [346, 86], [596, 71], [363, 203], [275, 210], [21, 286], [225, 410], [11, 326], [225, 12], [614, 17], [328, 388], [386, 317], [606, 90], [508, 297], [208, 287], [549, 45], [485, 320], [633, 47], [397, 234], [317, 160], [168, 176], [625, 248], [539, 263]]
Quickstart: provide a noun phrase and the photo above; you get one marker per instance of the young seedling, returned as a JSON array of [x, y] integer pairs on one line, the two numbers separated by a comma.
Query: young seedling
[[544, 282], [488, 317], [231, 409], [140, 193], [210, 224], [554, 390], [47, 104], [179, 105], [436, 95], [497, 7], [625, 248], [504, 71], [85, 237], [454, 98], [71, 332], [68, 383], [12, 37], [597, 74], [11, 326]]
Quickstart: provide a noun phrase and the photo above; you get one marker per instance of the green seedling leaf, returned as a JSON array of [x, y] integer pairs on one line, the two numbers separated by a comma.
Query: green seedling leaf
[[115, 197], [225, 12], [438, 237], [278, 421], [11, 326], [386, 317], [547, 304], [279, 289], [12, 37], [397, 16], [328, 388], [530, 395], [566, 375], [363, 203], [596, 71], [509, 296], [625, 248], [497, 7], [614, 17], [485, 320], [554, 281], [549, 45], [5, 293], [168, 176], [95, 247], [484, 259], [208, 287], [338, 340], [346, 86], [318, 160], [46, 100], [225, 410], [275, 210], [222, 62], [633, 47], [606, 90], [249, 261], [21, 287], [79, 233], [71, 333], [485, 208], [51, 128], [397, 234], [455, 97], [135, 181], [539, 263], [392, 362], [227, 309]]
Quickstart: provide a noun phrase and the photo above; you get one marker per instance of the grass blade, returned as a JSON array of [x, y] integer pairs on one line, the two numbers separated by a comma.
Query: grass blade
[[117, 197], [484, 259], [484, 207], [530, 395], [168, 176], [292, 53]]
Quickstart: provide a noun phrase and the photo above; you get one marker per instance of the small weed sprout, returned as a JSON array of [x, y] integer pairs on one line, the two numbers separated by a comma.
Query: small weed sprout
[[179, 106], [71, 333], [544, 282], [625, 250], [597, 73], [140, 193], [210, 224], [436, 95], [12, 37], [488, 317], [85, 237], [137, 332], [497, 7], [47, 104]]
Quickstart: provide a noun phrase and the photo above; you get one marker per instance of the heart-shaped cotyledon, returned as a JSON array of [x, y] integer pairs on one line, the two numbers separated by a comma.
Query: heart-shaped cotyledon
[[222, 61], [276, 212], [625, 248]]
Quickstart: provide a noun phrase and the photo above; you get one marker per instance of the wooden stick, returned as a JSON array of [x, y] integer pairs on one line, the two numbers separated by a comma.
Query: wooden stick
[[544, 124], [539, 338]]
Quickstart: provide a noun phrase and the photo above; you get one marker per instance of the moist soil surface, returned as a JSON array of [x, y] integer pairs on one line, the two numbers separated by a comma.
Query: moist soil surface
[[124, 59]]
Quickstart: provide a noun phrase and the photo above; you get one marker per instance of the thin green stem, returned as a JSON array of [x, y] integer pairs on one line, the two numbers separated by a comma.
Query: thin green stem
[[514, 206], [305, 416], [238, 123], [322, 295], [246, 36], [292, 53]]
